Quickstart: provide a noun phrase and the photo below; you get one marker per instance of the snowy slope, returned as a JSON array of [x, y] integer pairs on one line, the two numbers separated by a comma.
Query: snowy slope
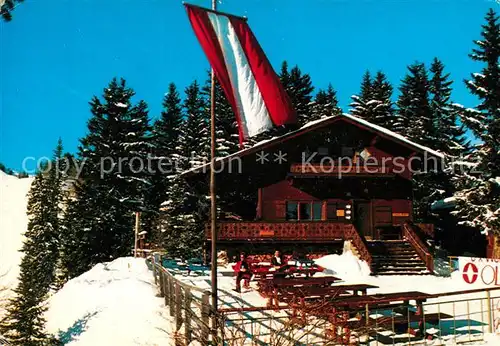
[[13, 223], [112, 304]]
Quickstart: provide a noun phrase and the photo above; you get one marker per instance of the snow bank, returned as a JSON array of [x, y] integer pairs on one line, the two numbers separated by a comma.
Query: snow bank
[[112, 304], [345, 266], [13, 224]]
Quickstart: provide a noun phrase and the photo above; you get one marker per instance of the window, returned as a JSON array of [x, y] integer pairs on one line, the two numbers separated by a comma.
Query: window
[[316, 209], [304, 211], [292, 210]]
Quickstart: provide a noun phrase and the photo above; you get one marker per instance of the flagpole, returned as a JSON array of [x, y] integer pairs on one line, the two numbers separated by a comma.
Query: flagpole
[[212, 194]]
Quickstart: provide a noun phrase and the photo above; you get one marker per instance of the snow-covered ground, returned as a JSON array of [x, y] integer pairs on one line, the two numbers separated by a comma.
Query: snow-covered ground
[[13, 224], [353, 271], [112, 304]]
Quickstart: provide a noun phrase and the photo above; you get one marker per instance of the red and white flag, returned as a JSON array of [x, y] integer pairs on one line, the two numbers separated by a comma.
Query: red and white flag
[[251, 86]]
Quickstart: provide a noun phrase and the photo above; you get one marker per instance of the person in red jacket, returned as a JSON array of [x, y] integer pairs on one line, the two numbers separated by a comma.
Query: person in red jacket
[[242, 270]]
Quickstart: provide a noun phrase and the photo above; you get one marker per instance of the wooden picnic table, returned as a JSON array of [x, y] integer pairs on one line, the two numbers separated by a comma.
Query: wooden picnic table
[[267, 271], [280, 282], [321, 293], [382, 298]]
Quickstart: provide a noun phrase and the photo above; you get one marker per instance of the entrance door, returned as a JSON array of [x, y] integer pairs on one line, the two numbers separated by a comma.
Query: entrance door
[[363, 219]]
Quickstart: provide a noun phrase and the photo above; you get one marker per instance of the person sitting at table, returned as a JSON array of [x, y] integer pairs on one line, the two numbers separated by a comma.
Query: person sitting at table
[[242, 269], [277, 260], [278, 264]]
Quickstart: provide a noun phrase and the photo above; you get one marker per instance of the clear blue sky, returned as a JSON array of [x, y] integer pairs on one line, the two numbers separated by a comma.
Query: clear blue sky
[[56, 54]]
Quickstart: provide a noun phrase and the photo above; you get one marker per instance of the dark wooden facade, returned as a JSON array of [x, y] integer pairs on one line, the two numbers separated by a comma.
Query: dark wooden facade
[[339, 176]]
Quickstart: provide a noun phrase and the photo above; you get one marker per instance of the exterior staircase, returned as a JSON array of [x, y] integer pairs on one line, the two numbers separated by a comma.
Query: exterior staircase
[[395, 257]]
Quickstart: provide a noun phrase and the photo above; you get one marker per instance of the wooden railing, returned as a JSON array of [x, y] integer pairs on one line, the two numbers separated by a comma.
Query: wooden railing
[[189, 305], [420, 247], [427, 229], [359, 243], [290, 230]]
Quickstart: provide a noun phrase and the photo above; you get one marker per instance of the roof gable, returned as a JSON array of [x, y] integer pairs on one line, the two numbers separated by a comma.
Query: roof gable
[[319, 124]]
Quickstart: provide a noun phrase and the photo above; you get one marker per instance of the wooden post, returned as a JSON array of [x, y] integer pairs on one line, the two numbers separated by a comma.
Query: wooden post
[[178, 306], [490, 316], [167, 290], [205, 318], [137, 225], [162, 285], [213, 195], [187, 316], [171, 296], [154, 271]]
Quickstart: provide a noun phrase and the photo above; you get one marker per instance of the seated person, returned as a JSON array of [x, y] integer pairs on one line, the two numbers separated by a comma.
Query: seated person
[[277, 260], [278, 263], [242, 269]]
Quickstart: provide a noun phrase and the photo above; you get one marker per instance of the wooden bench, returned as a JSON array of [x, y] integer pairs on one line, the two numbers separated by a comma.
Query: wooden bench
[[321, 293]]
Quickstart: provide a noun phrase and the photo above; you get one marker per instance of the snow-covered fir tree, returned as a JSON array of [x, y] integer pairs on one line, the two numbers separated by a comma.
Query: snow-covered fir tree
[[113, 182], [416, 121], [195, 134], [451, 140], [24, 323], [7, 7], [325, 104], [166, 138], [374, 102], [180, 223], [381, 106], [478, 189], [299, 88], [360, 105], [414, 117]]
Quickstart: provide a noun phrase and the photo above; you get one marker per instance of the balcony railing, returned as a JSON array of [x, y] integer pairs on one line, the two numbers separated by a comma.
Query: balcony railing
[[319, 230], [310, 231]]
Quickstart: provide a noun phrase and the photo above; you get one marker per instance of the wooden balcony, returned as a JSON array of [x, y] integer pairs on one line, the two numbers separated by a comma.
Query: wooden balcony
[[310, 231]]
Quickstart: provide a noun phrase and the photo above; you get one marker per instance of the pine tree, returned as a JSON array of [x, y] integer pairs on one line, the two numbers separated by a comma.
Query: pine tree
[[195, 135], [478, 194], [360, 106], [7, 7], [180, 223], [167, 129], [114, 180], [451, 139], [325, 104], [381, 105], [414, 118], [6, 170], [182, 228], [416, 121], [299, 88], [166, 138], [24, 322]]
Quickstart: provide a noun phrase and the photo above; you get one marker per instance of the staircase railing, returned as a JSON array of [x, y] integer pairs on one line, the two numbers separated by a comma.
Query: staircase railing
[[351, 233], [420, 247]]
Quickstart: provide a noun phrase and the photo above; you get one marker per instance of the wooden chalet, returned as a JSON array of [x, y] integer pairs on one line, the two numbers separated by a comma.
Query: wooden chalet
[[337, 179]]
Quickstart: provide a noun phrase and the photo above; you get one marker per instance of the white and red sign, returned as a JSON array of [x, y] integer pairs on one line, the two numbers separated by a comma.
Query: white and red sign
[[480, 271], [251, 86]]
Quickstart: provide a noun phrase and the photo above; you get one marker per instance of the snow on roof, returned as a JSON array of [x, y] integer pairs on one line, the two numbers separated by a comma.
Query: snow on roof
[[322, 122], [393, 135]]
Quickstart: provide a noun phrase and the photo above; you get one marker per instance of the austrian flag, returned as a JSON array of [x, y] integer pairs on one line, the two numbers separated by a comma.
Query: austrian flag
[[251, 86]]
